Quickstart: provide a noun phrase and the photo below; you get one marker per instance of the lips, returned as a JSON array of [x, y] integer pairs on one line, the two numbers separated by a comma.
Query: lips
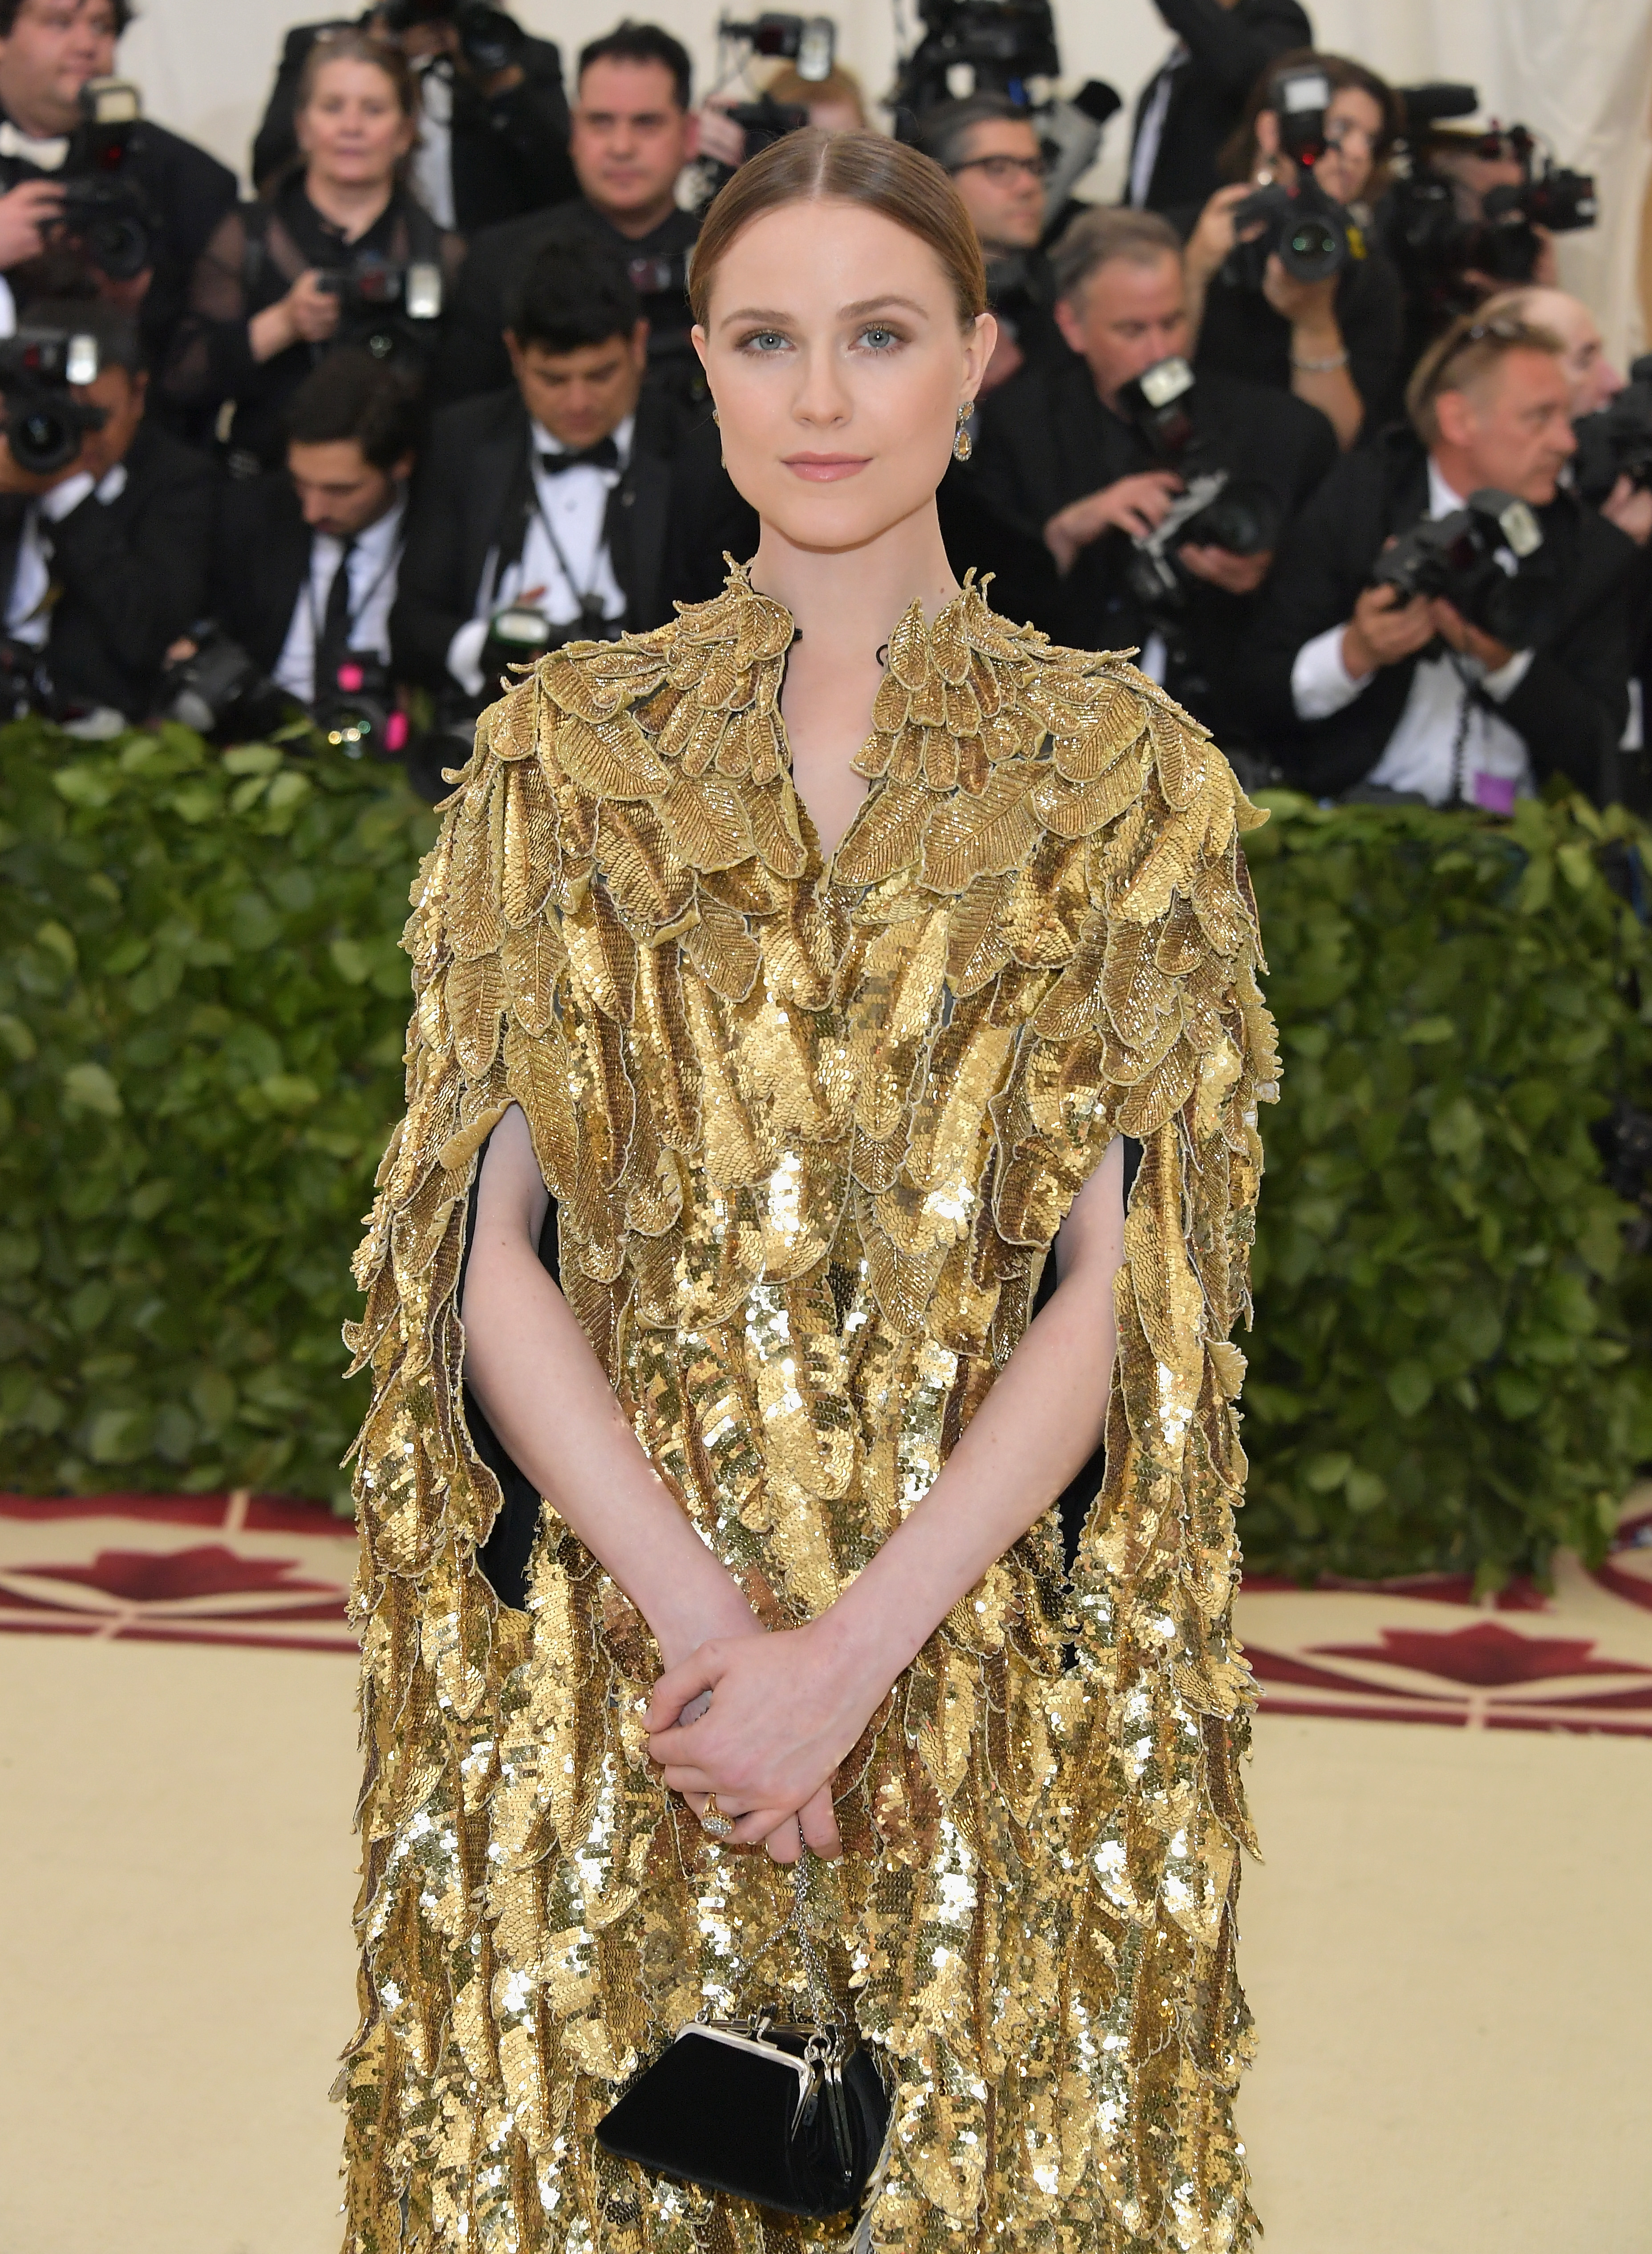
[[826, 469]]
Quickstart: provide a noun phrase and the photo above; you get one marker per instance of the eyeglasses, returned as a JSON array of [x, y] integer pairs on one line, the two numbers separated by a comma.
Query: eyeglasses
[[1002, 170]]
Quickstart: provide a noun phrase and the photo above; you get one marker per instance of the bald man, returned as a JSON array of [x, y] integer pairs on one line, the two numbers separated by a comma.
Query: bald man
[[1594, 382]]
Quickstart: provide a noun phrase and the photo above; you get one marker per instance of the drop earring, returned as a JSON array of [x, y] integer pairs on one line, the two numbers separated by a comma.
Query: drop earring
[[721, 456], [963, 445]]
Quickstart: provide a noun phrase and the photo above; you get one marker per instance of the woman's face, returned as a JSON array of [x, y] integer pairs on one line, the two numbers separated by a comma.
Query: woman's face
[[353, 130], [837, 361], [1354, 127]]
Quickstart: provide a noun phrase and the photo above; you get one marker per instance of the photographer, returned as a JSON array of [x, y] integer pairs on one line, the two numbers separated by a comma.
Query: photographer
[[494, 142], [991, 147], [50, 50], [1335, 341], [305, 573], [1378, 691], [633, 133], [1190, 106], [541, 512], [1593, 384], [1065, 455], [335, 255], [106, 556]]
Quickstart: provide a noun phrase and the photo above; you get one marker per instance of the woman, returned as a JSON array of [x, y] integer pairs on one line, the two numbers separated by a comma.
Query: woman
[[1337, 344], [844, 930], [323, 259]]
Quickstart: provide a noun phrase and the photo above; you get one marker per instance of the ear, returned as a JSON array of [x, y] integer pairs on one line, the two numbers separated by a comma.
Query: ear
[[1454, 418], [401, 470], [515, 352], [639, 346], [1067, 321], [978, 341], [692, 136], [698, 339]]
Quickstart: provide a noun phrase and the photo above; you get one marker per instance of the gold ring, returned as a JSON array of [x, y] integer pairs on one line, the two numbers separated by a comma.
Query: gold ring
[[714, 1821]]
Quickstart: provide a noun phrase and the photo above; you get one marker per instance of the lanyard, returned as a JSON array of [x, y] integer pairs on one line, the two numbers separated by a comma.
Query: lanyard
[[585, 597], [354, 613]]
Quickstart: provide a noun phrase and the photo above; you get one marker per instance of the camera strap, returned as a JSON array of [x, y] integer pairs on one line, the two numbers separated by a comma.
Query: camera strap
[[586, 597]]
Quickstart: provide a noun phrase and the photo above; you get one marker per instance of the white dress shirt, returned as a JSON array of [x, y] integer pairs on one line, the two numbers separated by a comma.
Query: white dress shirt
[[432, 162], [1145, 154], [574, 503], [28, 614], [1419, 755], [372, 585]]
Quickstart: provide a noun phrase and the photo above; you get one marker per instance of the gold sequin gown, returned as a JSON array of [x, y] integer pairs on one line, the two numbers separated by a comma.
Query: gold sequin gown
[[810, 1130]]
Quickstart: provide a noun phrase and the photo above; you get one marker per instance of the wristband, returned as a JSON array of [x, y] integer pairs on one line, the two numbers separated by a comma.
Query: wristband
[[1320, 366]]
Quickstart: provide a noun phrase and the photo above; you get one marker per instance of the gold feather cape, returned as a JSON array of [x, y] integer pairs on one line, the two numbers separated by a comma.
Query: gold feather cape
[[811, 1128]]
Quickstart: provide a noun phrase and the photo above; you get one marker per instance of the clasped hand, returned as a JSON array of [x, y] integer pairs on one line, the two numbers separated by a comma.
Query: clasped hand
[[785, 1710]]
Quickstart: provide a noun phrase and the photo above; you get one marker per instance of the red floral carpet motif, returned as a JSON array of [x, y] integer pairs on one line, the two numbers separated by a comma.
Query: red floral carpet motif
[[244, 1568], [1577, 1659], [137, 1566]]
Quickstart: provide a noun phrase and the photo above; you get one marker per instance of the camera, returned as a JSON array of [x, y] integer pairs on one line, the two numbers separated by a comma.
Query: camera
[[1002, 44], [1437, 246], [1617, 442], [1310, 233], [808, 41], [1461, 559], [357, 712], [1216, 509], [379, 305], [106, 216], [518, 634], [489, 40], [45, 424], [222, 691]]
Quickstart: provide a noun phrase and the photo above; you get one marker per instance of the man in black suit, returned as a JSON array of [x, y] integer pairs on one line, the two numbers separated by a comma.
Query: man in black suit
[[48, 52], [1197, 98], [494, 136], [633, 133], [304, 574], [990, 145], [105, 559], [541, 511], [1068, 485], [1374, 695]]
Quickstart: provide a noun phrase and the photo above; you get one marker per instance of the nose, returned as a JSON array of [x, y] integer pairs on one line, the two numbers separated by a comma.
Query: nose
[[822, 397]]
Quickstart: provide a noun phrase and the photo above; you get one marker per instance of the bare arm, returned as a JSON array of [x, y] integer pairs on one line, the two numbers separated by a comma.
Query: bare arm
[[548, 1399], [785, 1711]]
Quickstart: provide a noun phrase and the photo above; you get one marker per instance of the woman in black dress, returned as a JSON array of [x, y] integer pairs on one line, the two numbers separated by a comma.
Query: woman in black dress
[[338, 251]]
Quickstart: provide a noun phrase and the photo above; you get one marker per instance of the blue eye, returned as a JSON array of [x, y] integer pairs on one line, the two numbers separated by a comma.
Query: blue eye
[[878, 337], [763, 341]]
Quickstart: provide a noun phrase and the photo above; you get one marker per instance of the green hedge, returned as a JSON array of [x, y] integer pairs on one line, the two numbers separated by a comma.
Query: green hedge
[[202, 1005], [1450, 1366], [202, 1009]]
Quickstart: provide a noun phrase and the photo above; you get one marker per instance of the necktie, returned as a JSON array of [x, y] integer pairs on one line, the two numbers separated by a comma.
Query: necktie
[[605, 455], [334, 643]]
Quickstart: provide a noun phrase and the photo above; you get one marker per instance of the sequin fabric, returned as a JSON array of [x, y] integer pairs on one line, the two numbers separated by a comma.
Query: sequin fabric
[[811, 1129]]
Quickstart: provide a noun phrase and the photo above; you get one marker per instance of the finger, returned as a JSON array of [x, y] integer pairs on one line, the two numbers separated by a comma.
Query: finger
[[755, 1826], [686, 1776], [784, 1844], [679, 1684], [819, 1824]]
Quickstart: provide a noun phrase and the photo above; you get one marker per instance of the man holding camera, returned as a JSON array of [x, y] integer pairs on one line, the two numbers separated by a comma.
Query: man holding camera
[[1467, 664], [541, 511], [991, 147], [104, 555], [305, 568], [1196, 99], [132, 206], [1070, 455], [633, 133], [494, 141]]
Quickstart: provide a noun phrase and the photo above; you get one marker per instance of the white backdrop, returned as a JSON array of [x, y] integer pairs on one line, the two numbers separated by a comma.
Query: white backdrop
[[1580, 73]]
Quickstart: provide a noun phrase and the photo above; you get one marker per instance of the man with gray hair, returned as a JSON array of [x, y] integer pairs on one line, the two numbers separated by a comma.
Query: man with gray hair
[[1070, 455]]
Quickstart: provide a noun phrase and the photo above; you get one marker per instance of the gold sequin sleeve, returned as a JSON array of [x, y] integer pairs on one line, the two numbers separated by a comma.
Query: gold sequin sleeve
[[811, 1125]]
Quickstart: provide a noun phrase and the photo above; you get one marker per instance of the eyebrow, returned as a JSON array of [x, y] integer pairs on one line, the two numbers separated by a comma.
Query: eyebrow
[[849, 313]]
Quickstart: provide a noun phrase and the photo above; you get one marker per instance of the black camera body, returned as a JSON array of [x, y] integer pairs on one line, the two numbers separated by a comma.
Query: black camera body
[[766, 121], [222, 691], [44, 422], [356, 711], [1311, 233], [1217, 507], [383, 307], [1459, 558], [1617, 442], [107, 216], [1004, 42], [518, 634], [489, 40], [1437, 246]]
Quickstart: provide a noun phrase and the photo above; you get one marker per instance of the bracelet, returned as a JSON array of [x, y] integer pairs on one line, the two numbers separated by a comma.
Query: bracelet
[[1320, 366]]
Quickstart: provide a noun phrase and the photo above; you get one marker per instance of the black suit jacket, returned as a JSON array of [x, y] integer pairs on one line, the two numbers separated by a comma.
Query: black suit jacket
[[469, 501], [1230, 48], [510, 155], [472, 358], [1046, 440], [261, 560], [1571, 706], [131, 574]]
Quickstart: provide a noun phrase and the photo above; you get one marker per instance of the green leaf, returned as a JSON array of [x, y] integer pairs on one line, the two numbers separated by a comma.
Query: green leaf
[[92, 1086], [1328, 1471], [1410, 1385]]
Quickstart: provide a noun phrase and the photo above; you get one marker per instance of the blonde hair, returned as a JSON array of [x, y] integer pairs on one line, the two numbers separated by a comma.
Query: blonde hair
[[1469, 352]]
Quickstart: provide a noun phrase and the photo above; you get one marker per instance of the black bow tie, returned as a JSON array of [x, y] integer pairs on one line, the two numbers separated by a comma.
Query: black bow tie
[[605, 455]]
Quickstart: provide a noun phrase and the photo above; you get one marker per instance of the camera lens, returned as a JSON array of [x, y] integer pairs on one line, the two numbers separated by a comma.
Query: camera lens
[[40, 441], [1311, 250]]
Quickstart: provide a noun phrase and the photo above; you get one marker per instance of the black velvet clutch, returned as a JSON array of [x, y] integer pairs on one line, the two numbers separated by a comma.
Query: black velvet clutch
[[790, 2115]]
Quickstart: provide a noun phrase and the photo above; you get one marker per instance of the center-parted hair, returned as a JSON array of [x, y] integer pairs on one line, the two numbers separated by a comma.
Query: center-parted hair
[[866, 169]]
